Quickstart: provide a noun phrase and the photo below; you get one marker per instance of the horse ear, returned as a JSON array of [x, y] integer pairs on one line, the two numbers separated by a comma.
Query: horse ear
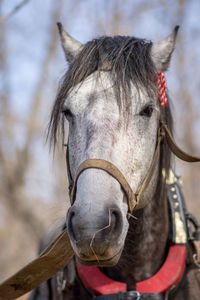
[[70, 46], [161, 52]]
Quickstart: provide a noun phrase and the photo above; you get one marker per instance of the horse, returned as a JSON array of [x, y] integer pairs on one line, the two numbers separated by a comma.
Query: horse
[[119, 221]]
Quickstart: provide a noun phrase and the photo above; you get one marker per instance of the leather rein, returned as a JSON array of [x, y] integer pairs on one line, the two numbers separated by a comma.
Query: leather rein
[[133, 199]]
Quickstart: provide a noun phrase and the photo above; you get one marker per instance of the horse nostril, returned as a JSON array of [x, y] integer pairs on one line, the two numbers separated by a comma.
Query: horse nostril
[[70, 216], [114, 219], [116, 222]]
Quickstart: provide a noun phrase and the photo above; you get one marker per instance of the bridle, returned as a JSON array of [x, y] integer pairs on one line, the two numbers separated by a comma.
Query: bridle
[[178, 249], [134, 200], [58, 253]]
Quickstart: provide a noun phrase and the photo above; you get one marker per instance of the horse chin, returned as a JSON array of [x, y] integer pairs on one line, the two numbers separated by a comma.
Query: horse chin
[[101, 262]]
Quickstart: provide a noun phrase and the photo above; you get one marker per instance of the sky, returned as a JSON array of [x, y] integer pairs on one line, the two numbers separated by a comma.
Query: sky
[[28, 37]]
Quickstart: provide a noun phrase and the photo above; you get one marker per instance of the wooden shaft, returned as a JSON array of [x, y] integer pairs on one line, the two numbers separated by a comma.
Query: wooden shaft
[[54, 258]]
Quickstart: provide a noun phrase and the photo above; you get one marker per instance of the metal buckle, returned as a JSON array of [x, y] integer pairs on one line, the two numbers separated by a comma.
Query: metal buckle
[[195, 261], [60, 282], [131, 294], [191, 220]]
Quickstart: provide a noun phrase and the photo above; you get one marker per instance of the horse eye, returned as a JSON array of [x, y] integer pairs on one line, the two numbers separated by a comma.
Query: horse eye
[[67, 113], [147, 111]]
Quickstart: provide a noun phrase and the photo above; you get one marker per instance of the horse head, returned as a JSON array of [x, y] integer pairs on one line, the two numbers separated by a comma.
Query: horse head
[[110, 101]]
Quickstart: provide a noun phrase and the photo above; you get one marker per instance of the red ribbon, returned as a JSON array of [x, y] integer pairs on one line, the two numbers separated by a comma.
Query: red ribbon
[[161, 82]]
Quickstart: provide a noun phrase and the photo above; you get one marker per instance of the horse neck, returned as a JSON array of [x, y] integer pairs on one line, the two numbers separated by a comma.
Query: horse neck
[[146, 242]]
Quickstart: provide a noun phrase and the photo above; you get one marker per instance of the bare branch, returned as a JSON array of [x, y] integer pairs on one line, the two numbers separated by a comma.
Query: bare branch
[[14, 11]]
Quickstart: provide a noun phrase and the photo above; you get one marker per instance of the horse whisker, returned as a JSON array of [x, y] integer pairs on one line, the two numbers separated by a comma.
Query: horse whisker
[[107, 226], [130, 215]]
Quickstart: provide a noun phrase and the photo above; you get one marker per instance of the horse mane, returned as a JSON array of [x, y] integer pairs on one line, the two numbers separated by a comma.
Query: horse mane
[[129, 62]]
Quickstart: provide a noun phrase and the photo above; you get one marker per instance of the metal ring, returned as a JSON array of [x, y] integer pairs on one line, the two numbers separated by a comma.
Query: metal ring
[[134, 293], [138, 295], [195, 261]]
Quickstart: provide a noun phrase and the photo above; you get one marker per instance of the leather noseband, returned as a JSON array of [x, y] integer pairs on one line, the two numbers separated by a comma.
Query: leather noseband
[[133, 199]]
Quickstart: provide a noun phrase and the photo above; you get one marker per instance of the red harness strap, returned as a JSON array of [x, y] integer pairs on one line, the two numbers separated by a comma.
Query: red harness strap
[[166, 278]]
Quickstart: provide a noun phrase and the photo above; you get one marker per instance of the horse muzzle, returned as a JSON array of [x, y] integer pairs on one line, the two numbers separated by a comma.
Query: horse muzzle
[[96, 240]]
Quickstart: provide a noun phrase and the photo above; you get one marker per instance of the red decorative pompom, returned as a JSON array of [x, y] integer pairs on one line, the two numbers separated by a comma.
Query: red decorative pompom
[[161, 82]]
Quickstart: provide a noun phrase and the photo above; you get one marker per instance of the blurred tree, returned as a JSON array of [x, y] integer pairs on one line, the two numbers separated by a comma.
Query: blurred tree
[[30, 197], [13, 11], [20, 217]]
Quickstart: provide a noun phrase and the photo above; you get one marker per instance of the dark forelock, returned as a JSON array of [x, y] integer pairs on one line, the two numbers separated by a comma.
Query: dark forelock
[[129, 61]]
